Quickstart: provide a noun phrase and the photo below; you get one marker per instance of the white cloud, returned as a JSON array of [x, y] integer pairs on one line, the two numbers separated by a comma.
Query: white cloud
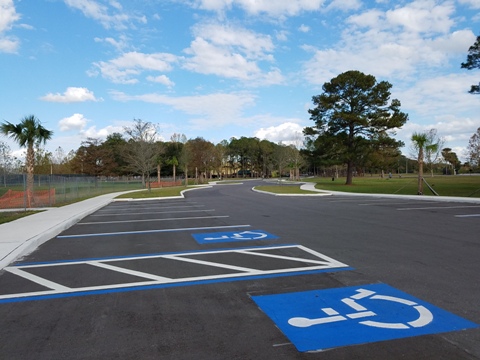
[[8, 16], [125, 68], [277, 8], [304, 28], [439, 95], [402, 43], [282, 35], [74, 122], [102, 13], [162, 79], [288, 133], [344, 5], [71, 95], [232, 52], [212, 110], [119, 45], [102, 133], [423, 16], [474, 4]]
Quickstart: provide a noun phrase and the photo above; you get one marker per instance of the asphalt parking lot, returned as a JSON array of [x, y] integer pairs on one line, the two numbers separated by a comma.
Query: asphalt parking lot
[[229, 273]]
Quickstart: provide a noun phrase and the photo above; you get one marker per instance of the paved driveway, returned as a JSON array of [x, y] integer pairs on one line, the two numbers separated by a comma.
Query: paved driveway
[[229, 273]]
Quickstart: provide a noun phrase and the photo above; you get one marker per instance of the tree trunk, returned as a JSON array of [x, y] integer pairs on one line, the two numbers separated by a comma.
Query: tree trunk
[[30, 165], [174, 172], [349, 173], [420, 172]]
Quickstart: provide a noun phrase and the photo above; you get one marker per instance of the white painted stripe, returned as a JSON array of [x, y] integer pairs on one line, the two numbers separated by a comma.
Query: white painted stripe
[[353, 304], [331, 261], [129, 272], [151, 231], [37, 279], [384, 325], [466, 216], [440, 207], [152, 213], [361, 314], [156, 207], [210, 263], [362, 293], [330, 311], [291, 258], [147, 220], [400, 203]]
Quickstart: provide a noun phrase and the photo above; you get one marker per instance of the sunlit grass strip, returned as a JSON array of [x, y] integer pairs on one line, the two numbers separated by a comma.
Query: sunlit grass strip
[[284, 189], [154, 193], [7, 216], [461, 186]]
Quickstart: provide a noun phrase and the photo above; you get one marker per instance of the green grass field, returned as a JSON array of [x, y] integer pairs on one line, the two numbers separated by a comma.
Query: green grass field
[[6, 216], [154, 193], [462, 186]]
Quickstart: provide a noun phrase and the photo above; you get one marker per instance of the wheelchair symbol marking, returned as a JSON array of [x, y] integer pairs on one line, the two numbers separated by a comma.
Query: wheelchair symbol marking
[[244, 235], [425, 315], [248, 235]]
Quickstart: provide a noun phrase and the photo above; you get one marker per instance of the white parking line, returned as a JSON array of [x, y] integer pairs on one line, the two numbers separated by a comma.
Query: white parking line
[[37, 279], [128, 271], [400, 203], [466, 216], [440, 207], [147, 220], [152, 213], [152, 207], [150, 231]]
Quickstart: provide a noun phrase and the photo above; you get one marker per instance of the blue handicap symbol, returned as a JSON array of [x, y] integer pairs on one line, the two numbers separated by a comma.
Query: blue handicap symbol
[[248, 235], [324, 319]]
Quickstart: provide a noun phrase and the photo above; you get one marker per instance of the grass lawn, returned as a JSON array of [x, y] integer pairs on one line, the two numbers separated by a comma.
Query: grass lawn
[[462, 186], [284, 189], [154, 193], [6, 216]]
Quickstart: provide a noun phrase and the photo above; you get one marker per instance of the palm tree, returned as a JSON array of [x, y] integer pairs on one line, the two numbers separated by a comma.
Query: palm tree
[[27, 133], [423, 142]]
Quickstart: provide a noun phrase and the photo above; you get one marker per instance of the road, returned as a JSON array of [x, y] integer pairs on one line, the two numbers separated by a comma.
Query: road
[[227, 273]]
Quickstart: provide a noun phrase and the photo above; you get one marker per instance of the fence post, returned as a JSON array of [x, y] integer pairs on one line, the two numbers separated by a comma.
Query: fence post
[[24, 193]]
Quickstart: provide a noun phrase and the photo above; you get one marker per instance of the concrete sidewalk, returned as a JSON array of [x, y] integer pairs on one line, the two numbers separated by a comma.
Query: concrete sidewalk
[[311, 187], [20, 237]]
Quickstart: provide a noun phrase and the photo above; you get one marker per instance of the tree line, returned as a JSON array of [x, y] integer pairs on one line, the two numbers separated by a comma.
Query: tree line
[[354, 127]]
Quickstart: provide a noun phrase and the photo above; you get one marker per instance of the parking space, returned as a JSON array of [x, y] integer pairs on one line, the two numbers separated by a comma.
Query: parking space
[[101, 276]]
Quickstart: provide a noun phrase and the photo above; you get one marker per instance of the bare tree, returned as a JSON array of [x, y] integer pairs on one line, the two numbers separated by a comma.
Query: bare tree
[[142, 150], [6, 160], [474, 149]]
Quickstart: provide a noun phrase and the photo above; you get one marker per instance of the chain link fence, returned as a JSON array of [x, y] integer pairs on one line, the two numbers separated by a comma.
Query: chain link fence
[[54, 190]]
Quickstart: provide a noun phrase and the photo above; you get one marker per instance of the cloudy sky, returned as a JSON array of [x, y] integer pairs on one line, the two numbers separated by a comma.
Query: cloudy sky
[[230, 68]]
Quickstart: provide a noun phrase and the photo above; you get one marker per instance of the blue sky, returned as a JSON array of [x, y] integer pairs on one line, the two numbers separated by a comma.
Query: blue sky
[[230, 68]]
